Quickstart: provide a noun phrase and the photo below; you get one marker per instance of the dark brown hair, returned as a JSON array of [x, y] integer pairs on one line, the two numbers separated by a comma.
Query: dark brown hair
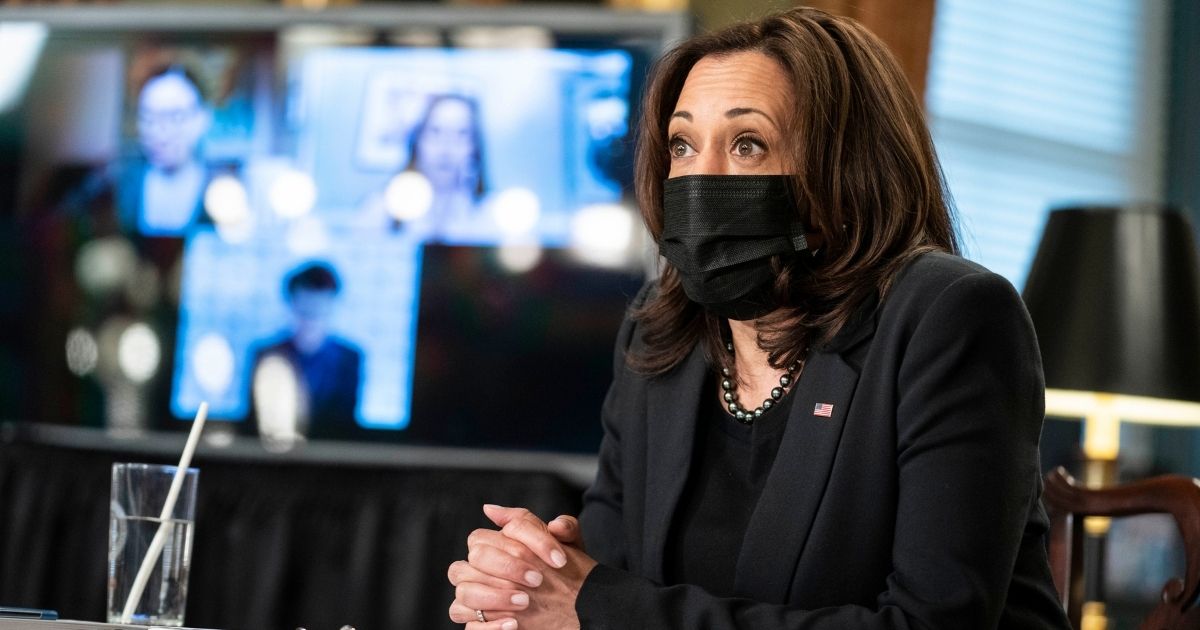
[[866, 179], [179, 70], [414, 143], [316, 275]]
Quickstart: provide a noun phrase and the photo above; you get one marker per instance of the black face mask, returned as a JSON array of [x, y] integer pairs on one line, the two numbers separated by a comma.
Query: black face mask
[[720, 231]]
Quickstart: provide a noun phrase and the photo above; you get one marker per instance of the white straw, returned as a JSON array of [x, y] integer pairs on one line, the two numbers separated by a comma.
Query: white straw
[[164, 520]]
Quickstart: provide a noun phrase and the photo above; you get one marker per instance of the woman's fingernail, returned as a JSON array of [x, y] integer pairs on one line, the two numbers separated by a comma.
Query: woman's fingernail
[[511, 624], [490, 506], [558, 559], [520, 599], [533, 578]]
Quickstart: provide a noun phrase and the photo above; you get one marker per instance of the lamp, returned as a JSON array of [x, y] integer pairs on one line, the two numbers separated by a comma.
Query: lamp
[[1114, 294]]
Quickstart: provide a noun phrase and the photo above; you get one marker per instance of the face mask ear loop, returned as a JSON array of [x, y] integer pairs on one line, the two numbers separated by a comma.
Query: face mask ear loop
[[797, 236]]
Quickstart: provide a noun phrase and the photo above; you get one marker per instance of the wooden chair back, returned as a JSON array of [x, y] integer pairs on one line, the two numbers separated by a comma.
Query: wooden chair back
[[1068, 502]]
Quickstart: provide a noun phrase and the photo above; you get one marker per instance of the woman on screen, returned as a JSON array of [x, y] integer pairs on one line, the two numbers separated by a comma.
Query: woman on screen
[[446, 152], [821, 416], [447, 148]]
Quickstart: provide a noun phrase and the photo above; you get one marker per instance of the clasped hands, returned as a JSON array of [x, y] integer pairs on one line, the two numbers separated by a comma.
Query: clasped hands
[[525, 575]]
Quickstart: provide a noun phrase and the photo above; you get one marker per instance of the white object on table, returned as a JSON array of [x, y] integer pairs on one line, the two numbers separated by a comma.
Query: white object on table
[[164, 521]]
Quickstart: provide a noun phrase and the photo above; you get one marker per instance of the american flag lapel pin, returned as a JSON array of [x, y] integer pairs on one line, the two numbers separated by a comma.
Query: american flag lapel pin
[[823, 410]]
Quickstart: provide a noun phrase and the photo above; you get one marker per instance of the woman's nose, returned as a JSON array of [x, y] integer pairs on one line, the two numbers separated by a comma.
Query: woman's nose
[[709, 162]]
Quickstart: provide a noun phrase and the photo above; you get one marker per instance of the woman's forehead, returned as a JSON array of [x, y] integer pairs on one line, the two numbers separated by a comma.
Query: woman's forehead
[[451, 110], [748, 79]]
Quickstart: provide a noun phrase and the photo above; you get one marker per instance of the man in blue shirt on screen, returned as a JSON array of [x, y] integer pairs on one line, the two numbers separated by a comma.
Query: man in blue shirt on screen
[[324, 371]]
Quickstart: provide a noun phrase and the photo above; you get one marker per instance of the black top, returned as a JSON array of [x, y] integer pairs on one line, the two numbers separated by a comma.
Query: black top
[[729, 470], [905, 493]]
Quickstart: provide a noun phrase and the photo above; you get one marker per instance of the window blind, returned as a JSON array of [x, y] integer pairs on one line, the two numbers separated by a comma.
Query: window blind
[[1039, 103]]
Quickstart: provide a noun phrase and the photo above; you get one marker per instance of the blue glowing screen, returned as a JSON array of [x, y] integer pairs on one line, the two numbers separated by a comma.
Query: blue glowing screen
[[312, 248]]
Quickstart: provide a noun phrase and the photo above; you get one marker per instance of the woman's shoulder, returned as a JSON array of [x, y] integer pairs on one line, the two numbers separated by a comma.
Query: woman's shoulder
[[942, 279], [937, 270], [932, 273], [629, 336]]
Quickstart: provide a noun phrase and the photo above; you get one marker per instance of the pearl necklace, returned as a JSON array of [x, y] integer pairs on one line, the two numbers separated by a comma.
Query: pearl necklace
[[747, 416]]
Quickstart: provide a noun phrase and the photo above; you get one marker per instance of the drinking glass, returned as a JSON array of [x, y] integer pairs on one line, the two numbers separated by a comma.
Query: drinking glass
[[139, 492]]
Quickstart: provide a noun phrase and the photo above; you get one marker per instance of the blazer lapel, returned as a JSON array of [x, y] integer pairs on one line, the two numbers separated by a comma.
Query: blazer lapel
[[781, 521], [672, 408]]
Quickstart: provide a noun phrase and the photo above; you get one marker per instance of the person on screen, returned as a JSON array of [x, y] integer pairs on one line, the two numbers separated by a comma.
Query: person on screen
[[161, 188], [821, 416], [310, 373], [446, 149]]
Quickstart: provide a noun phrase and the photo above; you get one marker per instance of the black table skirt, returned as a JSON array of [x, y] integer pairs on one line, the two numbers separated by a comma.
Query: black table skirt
[[282, 541]]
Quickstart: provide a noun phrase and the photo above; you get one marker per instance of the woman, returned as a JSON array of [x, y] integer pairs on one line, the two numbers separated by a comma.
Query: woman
[[889, 476], [446, 147]]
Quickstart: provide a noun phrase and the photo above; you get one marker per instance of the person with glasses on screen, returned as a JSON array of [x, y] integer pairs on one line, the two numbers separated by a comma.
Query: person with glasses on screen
[[161, 189], [821, 417]]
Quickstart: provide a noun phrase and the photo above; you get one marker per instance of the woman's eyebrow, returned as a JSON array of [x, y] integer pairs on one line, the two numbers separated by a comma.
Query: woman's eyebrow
[[733, 113], [743, 111]]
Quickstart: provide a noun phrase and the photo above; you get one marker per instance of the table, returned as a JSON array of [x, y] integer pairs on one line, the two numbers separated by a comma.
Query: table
[[67, 624]]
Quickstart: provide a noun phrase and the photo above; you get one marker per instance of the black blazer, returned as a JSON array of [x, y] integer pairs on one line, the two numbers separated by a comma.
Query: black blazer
[[916, 505]]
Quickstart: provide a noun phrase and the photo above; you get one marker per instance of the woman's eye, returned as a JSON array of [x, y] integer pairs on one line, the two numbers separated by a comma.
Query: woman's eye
[[748, 147], [679, 149]]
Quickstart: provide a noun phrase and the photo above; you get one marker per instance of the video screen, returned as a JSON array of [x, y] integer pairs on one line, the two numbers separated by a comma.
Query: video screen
[[303, 322], [122, 147], [463, 146], [280, 331], [315, 239]]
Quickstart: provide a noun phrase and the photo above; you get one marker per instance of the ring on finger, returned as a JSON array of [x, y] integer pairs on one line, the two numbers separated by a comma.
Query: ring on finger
[[479, 615]]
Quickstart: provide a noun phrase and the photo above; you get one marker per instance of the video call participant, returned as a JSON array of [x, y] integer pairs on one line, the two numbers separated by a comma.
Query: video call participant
[[446, 146], [161, 188], [821, 417], [326, 369]]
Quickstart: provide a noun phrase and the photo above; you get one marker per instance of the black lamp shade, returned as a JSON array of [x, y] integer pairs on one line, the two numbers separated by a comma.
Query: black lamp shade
[[1114, 294]]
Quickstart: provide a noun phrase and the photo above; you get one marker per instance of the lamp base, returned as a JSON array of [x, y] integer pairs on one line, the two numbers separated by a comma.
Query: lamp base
[[1097, 473], [1093, 617]]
